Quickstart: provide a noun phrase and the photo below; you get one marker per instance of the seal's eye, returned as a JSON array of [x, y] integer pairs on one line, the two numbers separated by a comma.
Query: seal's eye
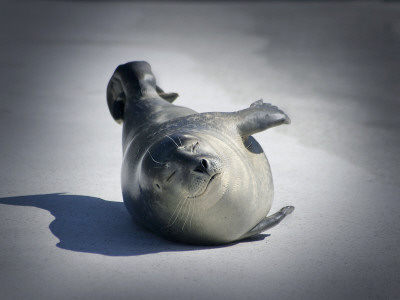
[[195, 146], [189, 145]]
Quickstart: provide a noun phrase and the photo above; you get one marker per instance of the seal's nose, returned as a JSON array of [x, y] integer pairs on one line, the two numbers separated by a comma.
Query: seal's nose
[[206, 167]]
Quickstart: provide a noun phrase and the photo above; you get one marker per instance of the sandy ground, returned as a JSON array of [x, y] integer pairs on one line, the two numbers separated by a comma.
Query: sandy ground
[[333, 67]]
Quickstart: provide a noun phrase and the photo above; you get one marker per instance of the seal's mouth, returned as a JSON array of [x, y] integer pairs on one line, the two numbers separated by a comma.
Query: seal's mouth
[[208, 184], [212, 178]]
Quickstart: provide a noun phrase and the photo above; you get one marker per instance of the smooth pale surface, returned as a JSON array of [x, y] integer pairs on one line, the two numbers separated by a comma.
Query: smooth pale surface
[[332, 67]]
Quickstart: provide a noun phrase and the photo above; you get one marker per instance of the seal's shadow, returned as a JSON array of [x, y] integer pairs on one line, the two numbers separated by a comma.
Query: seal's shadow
[[94, 225]]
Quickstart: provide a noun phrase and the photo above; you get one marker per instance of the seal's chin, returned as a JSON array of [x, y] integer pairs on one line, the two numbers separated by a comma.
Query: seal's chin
[[207, 187]]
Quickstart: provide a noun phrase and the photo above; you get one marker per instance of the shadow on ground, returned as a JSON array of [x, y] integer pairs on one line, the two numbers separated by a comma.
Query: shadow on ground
[[94, 225]]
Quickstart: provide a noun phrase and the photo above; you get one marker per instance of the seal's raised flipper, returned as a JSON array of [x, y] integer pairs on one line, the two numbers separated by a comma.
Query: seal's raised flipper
[[258, 117], [269, 222], [133, 81]]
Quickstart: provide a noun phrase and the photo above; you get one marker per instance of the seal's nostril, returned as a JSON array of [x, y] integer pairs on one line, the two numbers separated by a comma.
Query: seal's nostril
[[202, 167], [204, 163]]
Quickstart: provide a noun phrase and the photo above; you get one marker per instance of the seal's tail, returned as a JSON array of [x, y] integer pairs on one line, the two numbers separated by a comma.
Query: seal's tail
[[132, 81]]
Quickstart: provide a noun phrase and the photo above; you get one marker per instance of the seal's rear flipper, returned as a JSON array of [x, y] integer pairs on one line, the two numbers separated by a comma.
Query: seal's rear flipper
[[269, 222], [258, 117], [170, 97], [130, 82]]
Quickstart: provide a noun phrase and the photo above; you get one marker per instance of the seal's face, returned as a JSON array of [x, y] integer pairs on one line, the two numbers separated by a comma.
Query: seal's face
[[185, 174], [181, 166]]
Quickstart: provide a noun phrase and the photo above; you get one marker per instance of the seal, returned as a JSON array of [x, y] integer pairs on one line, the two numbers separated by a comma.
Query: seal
[[197, 178]]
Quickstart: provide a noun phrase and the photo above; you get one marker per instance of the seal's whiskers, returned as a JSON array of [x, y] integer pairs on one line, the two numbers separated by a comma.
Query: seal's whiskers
[[248, 146], [180, 142], [172, 140], [187, 215], [176, 213], [154, 159], [193, 211]]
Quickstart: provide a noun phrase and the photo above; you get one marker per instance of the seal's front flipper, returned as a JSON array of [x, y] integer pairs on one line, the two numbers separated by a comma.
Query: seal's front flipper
[[258, 117], [269, 222]]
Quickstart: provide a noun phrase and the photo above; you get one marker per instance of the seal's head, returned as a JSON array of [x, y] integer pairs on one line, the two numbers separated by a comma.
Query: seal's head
[[194, 185]]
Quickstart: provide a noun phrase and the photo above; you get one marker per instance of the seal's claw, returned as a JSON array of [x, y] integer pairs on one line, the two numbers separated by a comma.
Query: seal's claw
[[257, 103]]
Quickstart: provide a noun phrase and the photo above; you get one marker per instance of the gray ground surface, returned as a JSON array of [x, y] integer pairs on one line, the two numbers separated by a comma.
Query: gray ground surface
[[333, 67]]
